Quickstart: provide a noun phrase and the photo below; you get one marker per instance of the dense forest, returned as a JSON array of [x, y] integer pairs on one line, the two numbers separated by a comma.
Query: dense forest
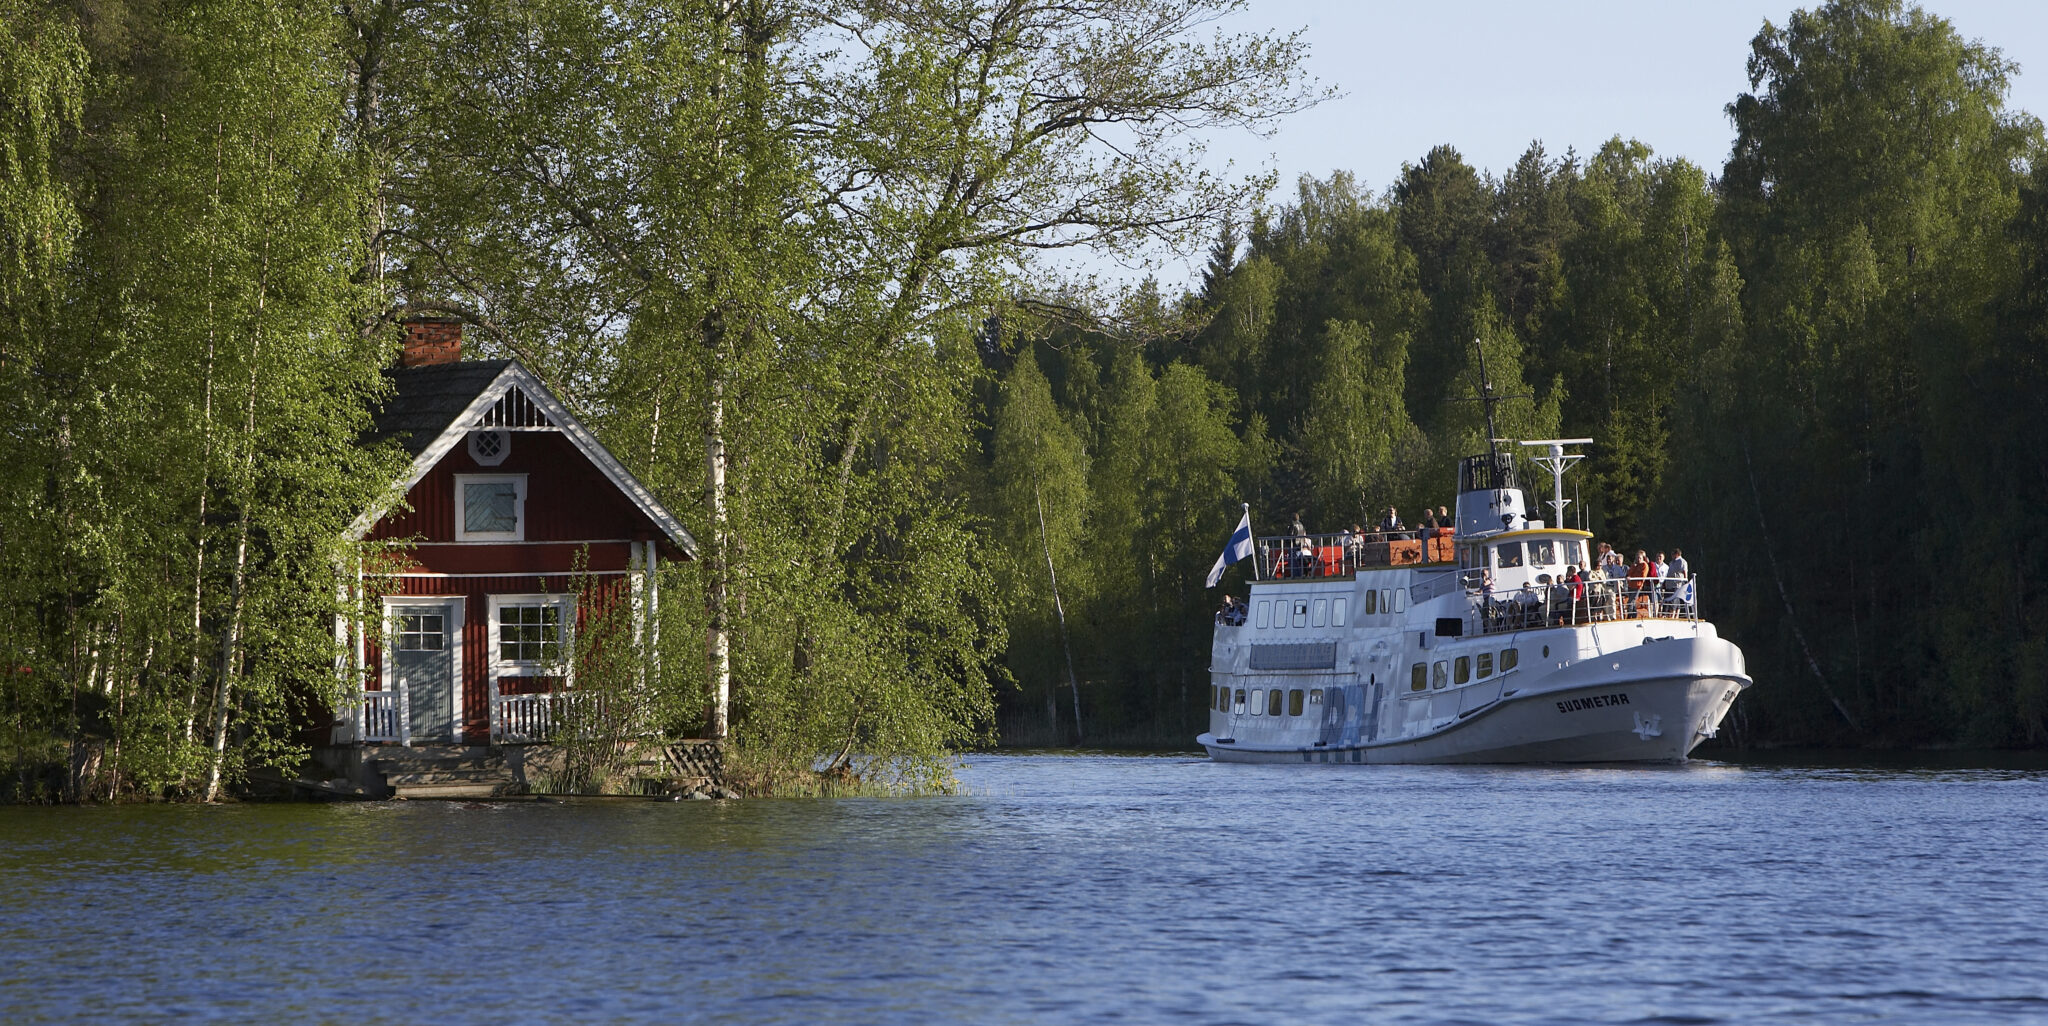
[[786, 257], [1817, 369]]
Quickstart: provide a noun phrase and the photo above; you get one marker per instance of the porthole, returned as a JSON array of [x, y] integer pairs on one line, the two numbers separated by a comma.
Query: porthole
[[1372, 602], [1315, 696], [1258, 701], [1418, 677], [1485, 665], [1273, 702], [1265, 618], [1508, 658], [1318, 618], [1546, 651], [1294, 702], [1463, 669], [1337, 612], [1440, 674]]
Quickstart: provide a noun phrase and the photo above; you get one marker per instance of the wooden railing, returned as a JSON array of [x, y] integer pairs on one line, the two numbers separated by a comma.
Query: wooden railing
[[384, 716], [526, 718]]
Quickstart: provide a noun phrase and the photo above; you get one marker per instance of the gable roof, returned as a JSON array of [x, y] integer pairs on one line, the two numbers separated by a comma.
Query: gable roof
[[433, 409]]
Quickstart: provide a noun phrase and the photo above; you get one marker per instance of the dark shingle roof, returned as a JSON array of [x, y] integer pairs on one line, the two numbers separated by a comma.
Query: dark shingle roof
[[425, 400]]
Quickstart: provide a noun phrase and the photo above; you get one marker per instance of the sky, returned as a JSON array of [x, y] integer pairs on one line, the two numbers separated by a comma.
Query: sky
[[1490, 76]]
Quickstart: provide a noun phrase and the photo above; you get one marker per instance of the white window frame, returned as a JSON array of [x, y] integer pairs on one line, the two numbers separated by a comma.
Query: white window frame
[[462, 483], [565, 604]]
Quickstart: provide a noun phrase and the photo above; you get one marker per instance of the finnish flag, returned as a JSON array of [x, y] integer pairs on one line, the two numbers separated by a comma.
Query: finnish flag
[[1237, 548]]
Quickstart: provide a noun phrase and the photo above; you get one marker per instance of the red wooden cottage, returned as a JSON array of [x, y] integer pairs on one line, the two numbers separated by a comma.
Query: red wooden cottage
[[510, 504]]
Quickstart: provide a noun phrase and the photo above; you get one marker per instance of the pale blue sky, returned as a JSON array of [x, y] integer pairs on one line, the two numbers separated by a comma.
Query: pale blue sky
[[1489, 76]]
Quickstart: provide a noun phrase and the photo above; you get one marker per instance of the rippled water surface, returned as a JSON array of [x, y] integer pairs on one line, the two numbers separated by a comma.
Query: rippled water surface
[[1065, 888]]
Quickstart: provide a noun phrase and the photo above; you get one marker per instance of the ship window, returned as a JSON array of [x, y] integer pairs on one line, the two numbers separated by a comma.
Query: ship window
[[1400, 600], [1321, 614], [1573, 553], [1258, 701], [1301, 612], [1315, 696], [1372, 602], [1508, 658], [1439, 674], [1337, 611], [1239, 707], [1294, 702], [1273, 702], [1507, 554], [1221, 700], [1543, 552], [1265, 613], [1418, 677], [1485, 665], [1463, 669]]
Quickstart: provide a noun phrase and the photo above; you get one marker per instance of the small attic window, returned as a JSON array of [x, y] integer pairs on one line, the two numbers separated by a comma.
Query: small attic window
[[490, 508], [490, 447]]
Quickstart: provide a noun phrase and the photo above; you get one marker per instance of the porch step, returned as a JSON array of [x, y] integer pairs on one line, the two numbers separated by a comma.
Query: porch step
[[456, 789], [444, 771]]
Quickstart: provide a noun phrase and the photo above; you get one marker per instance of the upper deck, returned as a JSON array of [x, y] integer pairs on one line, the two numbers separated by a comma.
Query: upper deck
[[1341, 555]]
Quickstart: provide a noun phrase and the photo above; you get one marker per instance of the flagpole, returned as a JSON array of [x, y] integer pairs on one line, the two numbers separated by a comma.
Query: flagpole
[[1255, 541]]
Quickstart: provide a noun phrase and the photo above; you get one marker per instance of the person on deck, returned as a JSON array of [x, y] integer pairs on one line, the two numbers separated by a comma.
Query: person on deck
[[1392, 521], [1679, 569], [1611, 565], [1639, 581], [1428, 522]]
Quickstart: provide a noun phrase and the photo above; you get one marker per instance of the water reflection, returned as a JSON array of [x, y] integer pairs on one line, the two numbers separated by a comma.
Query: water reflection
[[1062, 888]]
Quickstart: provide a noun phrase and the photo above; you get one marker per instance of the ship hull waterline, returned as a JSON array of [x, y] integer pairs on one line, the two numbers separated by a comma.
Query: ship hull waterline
[[1648, 720]]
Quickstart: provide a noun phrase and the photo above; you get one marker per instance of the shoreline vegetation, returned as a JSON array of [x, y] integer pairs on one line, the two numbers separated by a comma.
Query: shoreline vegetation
[[784, 258]]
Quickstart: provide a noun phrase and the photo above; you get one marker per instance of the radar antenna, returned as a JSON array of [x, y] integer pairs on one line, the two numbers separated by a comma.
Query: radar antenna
[[1557, 461]]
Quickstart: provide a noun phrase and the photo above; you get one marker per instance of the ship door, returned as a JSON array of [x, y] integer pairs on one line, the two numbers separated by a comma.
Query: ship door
[[425, 650], [1372, 708]]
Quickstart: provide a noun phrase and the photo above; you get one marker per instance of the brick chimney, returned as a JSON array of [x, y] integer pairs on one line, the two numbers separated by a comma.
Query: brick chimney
[[430, 341]]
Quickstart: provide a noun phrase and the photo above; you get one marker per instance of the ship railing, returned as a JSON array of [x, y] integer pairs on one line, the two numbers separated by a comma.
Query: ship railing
[[1600, 601], [1344, 553]]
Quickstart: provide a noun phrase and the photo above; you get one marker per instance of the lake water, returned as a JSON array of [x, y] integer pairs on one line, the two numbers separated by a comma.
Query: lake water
[[1065, 888]]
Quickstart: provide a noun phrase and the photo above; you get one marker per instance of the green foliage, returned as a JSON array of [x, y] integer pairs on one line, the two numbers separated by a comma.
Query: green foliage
[[188, 387]]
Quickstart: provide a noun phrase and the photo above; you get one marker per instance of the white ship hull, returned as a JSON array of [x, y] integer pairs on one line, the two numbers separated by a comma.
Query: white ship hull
[[1658, 720]]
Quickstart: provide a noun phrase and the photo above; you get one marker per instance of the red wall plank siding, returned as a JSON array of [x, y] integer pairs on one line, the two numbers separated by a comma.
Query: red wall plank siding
[[573, 512], [567, 497], [476, 631], [556, 558]]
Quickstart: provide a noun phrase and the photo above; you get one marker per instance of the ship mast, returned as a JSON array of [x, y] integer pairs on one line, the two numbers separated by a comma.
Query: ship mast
[[1557, 461], [1487, 401]]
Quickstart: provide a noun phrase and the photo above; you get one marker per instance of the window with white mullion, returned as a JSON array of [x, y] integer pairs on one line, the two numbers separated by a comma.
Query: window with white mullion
[[531, 634]]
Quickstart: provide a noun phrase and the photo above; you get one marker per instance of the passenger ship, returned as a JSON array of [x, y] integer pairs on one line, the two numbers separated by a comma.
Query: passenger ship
[[1395, 650]]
